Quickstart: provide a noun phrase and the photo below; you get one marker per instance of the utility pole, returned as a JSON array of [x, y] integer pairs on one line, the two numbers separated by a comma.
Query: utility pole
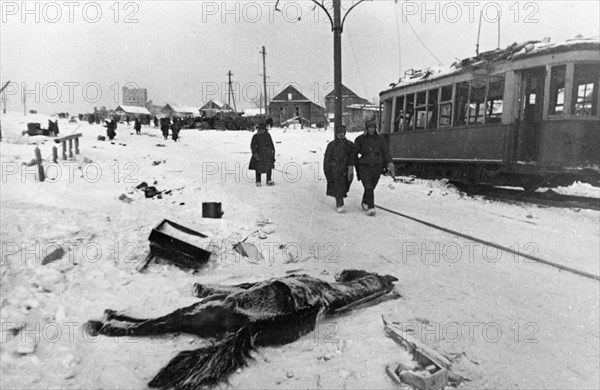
[[4, 95], [337, 62], [230, 93], [337, 26], [264, 54]]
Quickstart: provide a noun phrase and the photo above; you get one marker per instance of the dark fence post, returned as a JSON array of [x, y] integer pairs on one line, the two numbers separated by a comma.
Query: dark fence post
[[38, 158]]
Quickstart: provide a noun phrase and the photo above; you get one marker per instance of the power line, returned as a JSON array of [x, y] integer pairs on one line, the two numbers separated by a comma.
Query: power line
[[356, 62], [399, 46], [420, 40]]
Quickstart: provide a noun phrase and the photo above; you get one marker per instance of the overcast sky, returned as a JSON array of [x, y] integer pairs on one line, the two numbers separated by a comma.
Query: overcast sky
[[181, 51]]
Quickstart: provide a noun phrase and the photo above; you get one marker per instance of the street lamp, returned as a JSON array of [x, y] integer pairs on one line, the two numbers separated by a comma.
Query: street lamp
[[337, 26]]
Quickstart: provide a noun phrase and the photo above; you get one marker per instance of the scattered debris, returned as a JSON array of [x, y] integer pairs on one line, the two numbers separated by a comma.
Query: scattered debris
[[56, 254], [151, 191], [405, 180], [27, 347], [249, 250], [101, 138], [30, 163], [263, 222], [431, 370], [158, 162], [125, 198], [161, 145]]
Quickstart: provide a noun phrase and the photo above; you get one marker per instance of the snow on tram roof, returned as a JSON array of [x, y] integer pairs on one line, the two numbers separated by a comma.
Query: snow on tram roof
[[512, 52]]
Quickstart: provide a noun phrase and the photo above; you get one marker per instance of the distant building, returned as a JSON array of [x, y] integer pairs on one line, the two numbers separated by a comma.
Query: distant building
[[135, 96], [132, 111], [290, 105], [214, 107], [175, 110], [359, 114], [155, 110], [349, 98]]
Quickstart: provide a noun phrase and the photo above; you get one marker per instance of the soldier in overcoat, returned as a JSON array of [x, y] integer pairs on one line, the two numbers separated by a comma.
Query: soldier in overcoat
[[338, 165], [263, 155]]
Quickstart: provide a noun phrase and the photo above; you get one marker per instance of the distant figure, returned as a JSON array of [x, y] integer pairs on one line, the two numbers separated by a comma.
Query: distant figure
[[372, 154], [175, 129], [137, 126], [263, 154], [269, 123], [111, 127], [53, 127], [339, 167], [164, 127], [155, 121], [127, 119]]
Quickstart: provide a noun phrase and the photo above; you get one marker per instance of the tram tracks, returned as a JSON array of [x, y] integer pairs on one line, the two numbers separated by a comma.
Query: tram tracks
[[548, 198], [495, 245]]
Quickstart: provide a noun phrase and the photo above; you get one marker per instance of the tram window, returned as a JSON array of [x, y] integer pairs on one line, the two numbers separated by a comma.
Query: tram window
[[410, 112], [432, 109], [585, 89], [398, 115], [557, 90], [495, 99], [421, 110], [476, 100], [462, 94], [446, 106]]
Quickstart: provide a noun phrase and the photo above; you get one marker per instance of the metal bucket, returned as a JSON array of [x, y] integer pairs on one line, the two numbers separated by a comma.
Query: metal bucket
[[212, 210]]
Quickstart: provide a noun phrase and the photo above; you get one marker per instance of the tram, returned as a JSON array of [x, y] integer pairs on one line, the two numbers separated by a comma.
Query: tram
[[526, 116]]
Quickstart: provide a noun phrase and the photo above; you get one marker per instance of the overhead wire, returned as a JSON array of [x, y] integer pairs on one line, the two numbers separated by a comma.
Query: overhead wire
[[356, 62], [421, 41], [399, 45]]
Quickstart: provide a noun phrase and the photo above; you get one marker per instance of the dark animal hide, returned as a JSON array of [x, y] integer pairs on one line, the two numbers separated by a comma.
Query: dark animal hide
[[272, 312]]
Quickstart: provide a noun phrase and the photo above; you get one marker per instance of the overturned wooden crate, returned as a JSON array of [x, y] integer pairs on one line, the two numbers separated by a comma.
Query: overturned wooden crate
[[178, 244]]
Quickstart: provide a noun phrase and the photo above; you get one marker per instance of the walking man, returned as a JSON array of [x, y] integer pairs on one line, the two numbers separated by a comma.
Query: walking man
[[339, 167], [372, 154]]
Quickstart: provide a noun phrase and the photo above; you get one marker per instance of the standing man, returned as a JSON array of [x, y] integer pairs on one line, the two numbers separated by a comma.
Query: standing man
[[339, 167], [263, 155], [137, 126], [164, 127], [372, 154]]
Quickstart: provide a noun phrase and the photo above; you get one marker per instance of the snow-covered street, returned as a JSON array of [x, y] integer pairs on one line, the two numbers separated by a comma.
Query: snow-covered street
[[507, 321]]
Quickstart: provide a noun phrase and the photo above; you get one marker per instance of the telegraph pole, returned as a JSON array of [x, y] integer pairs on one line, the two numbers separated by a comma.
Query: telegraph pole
[[264, 54], [337, 62], [4, 95], [230, 93]]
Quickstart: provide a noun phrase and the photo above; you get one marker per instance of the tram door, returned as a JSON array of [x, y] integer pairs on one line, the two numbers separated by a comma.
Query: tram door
[[530, 114]]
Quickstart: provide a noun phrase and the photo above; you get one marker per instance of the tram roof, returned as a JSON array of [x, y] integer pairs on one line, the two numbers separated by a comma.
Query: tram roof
[[516, 51]]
